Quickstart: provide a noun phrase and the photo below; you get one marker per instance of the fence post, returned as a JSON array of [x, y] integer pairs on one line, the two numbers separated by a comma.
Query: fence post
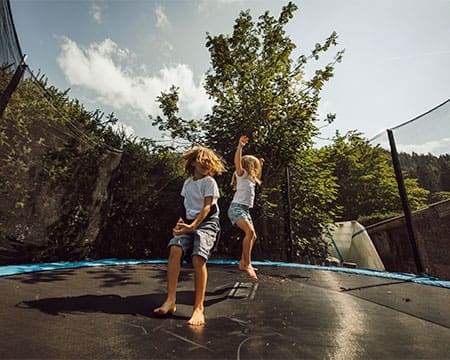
[[287, 215], [405, 202]]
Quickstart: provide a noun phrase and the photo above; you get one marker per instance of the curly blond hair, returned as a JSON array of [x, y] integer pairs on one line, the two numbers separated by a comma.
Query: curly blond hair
[[252, 165], [204, 156]]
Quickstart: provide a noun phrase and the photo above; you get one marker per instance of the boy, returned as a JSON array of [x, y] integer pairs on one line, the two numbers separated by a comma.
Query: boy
[[198, 231]]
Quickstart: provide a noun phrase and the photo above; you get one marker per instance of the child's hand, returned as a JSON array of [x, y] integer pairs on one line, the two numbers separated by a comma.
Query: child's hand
[[243, 140], [181, 228], [177, 226]]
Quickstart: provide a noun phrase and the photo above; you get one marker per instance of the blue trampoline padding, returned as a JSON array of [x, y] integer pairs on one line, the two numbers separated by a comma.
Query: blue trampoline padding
[[418, 279], [21, 269]]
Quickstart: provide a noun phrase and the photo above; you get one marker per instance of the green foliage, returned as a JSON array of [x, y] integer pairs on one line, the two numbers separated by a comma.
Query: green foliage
[[50, 152], [177, 127], [367, 220], [438, 196], [15, 151], [367, 184], [145, 197], [417, 196], [260, 91], [432, 173], [63, 237]]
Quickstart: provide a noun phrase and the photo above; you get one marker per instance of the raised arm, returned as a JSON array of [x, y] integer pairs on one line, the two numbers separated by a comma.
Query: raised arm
[[238, 155]]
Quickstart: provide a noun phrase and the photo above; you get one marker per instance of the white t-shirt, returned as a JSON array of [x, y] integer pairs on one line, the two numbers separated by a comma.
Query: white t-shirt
[[194, 193], [245, 190]]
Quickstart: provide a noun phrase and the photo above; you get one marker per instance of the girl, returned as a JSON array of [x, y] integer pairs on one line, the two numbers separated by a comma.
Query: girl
[[198, 231], [247, 175]]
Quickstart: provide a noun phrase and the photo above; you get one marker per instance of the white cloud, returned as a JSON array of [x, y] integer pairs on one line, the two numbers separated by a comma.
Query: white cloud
[[96, 12], [435, 147], [162, 21], [102, 68]]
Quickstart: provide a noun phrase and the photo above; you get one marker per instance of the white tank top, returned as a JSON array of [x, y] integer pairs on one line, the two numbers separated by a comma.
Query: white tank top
[[245, 190]]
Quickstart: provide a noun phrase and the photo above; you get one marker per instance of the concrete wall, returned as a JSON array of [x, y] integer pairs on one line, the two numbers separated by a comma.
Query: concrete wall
[[432, 232]]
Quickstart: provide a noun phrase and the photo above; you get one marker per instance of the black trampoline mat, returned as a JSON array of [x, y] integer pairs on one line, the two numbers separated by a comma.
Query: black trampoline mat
[[290, 313]]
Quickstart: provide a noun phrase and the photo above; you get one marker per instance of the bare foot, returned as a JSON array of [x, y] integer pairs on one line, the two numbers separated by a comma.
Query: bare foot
[[167, 308], [197, 318], [250, 270]]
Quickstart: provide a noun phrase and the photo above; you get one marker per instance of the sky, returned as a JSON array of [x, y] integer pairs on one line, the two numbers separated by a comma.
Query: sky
[[118, 56]]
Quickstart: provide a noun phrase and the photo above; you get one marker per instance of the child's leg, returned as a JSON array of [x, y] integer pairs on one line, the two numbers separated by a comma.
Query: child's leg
[[173, 272], [200, 280], [247, 245]]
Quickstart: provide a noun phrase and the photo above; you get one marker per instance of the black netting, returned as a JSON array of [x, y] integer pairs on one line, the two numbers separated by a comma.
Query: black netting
[[423, 147], [428, 133], [11, 53], [420, 153], [47, 143]]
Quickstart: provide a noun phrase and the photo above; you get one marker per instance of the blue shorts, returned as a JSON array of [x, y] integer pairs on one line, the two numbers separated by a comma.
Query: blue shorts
[[239, 211], [200, 240]]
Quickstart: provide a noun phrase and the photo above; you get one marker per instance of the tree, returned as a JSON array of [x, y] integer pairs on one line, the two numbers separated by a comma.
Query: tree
[[143, 202], [51, 181], [260, 91], [431, 172], [189, 130], [428, 171], [367, 184], [444, 167]]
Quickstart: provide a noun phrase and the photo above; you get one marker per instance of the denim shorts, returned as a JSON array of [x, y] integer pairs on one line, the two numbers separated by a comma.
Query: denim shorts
[[239, 211], [199, 241]]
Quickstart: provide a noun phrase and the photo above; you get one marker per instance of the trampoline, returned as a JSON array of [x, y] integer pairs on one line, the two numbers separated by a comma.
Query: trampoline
[[85, 311]]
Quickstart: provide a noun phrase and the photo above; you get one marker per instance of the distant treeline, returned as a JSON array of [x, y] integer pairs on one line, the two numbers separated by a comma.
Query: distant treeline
[[432, 173]]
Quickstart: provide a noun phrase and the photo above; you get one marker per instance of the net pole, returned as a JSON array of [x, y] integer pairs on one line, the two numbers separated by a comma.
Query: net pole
[[4, 99], [405, 202], [288, 219]]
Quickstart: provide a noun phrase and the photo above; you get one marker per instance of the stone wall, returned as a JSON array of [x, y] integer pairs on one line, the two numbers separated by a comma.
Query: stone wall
[[432, 231]]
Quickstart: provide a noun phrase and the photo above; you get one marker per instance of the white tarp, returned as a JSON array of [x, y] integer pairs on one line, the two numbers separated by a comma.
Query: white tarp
[[349, 242]]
